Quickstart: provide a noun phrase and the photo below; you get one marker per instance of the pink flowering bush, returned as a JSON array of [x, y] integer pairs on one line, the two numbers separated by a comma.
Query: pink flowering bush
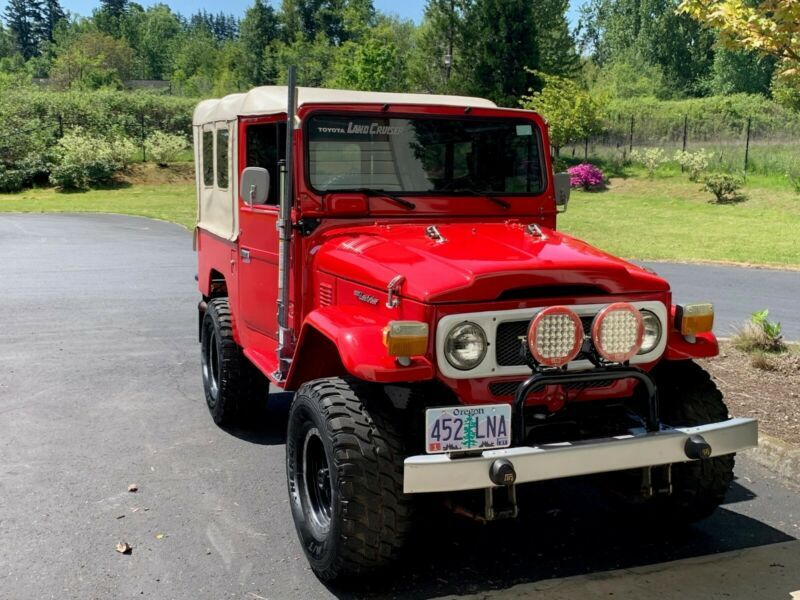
[[586, 176]]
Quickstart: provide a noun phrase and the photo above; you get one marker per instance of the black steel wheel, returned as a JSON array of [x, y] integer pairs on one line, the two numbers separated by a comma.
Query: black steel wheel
[[344, 468], [226, 380]]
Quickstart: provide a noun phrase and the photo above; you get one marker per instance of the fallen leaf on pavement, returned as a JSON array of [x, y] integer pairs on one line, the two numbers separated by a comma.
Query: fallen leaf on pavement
[[124, 548], [133, 488], [160, 536]]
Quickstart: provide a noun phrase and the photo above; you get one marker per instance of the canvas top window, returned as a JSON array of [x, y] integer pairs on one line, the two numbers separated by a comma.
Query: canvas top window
[[424, 155]]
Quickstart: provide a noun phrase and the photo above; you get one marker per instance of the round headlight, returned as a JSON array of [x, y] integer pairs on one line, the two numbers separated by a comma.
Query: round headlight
[[465, 346], [652, 332], [617, 332]]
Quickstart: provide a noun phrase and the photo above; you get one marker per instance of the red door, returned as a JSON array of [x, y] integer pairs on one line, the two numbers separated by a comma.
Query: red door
[[264, 146]]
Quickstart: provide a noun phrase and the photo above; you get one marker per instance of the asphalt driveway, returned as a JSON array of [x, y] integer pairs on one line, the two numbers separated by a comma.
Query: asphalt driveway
[[100, 388]]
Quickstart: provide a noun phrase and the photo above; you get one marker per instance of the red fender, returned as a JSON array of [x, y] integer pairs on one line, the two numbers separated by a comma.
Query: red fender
[[705, 345], [358, 345]]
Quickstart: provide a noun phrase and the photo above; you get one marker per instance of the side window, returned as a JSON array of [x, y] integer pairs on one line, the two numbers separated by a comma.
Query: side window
[[208, 158], [266, 147], [222, 158]]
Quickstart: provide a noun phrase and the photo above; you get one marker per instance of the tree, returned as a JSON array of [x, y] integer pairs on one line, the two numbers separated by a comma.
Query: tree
[[769, 27], [502, 49], [650, 32], [158, 28], [572, 114], [93, 60], [52, 13], [24, 18], [311, 57], [740, 71], [109, 16], [259, 29], [557, 52], [436, 61]]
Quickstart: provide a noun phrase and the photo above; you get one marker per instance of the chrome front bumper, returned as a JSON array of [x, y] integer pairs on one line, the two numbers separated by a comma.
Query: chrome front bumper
[[443, 473]]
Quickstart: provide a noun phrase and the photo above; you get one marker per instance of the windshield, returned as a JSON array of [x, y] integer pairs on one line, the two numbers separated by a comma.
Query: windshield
[[423, 155]]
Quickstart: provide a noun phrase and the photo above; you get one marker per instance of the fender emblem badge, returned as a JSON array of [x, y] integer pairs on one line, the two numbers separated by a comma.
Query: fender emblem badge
[[365, 297]]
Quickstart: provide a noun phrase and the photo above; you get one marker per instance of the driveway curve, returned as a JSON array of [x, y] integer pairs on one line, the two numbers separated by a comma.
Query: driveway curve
[[100, 388]]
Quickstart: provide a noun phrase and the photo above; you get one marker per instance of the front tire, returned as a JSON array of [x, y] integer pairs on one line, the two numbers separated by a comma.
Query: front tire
[[688, 397], [344, 466]]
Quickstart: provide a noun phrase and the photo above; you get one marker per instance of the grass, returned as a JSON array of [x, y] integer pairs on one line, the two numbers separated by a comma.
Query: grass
[[670, 218], [664, 218], [168, 202]]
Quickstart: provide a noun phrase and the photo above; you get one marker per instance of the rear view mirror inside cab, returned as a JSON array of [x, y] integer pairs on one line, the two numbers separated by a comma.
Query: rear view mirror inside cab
[[254, 185]]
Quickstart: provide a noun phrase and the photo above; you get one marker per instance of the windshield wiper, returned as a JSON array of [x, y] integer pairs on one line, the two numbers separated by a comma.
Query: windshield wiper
[[487, 195], [388, 195]]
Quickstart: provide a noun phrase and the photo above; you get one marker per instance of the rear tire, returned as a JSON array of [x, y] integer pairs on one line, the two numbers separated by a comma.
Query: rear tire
[[344, 466], [688, 397], [226, 371]]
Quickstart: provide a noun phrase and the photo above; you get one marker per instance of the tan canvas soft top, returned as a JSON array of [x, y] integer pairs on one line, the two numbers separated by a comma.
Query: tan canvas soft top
[[269, 100], [217, 207]]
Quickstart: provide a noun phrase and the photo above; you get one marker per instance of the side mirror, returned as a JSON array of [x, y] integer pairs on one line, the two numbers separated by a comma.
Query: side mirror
[[561, 183], [254, 185]]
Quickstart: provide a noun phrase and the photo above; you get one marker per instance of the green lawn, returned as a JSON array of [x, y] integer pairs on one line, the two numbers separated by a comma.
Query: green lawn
[[669, 218], [666, 218], [168, 202]]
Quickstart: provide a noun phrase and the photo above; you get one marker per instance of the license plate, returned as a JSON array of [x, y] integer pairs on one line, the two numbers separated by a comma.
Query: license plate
[[467, 428]]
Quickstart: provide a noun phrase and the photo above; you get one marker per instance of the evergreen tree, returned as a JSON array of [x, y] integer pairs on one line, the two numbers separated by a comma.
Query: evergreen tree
[[557, 52], [259, 29], [503, 46], [52, 13], [114, 8], [24, 19]]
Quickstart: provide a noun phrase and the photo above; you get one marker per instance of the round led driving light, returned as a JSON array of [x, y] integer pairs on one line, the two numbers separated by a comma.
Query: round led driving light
[[652, 332], [465, 346], [618, 331], [555, 336]]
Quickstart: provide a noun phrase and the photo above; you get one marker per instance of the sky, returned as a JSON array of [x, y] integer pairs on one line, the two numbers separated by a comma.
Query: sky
[[409, 9]]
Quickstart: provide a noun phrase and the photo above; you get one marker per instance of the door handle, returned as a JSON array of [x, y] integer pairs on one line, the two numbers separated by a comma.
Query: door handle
[[245, 254]]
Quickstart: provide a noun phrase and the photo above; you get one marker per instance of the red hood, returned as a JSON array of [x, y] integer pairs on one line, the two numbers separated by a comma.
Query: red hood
[[475, 262]]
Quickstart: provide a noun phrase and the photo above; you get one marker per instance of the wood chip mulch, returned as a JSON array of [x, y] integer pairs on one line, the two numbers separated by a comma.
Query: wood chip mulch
[[771, 396]]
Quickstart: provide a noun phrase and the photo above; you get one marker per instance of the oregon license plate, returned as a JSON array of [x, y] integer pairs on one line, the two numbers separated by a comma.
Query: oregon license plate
[[464, 428]]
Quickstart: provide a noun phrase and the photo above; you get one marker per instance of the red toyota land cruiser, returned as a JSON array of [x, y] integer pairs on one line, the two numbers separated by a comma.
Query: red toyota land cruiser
[[393, 260]]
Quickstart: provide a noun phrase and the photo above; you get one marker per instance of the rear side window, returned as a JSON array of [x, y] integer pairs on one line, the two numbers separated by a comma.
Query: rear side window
[[222, 158], [208, 158]]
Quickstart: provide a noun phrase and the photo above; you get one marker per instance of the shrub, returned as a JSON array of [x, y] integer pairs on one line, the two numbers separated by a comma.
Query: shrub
[[124, 150], [725, 188], [163, 148], [586, 176], [760, 334], [695, 163], [11, 180], [651, 158], [84, 160]]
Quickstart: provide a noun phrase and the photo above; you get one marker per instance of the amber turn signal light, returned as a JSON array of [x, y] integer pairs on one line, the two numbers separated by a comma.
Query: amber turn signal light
[[691, 319], [406, 338]]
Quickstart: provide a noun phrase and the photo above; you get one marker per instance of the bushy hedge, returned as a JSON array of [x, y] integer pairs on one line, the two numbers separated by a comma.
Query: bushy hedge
[[33, 121]]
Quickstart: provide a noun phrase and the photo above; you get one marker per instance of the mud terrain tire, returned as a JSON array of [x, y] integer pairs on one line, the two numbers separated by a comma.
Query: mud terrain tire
[[344, 466], [226, 372], [688, 396]]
